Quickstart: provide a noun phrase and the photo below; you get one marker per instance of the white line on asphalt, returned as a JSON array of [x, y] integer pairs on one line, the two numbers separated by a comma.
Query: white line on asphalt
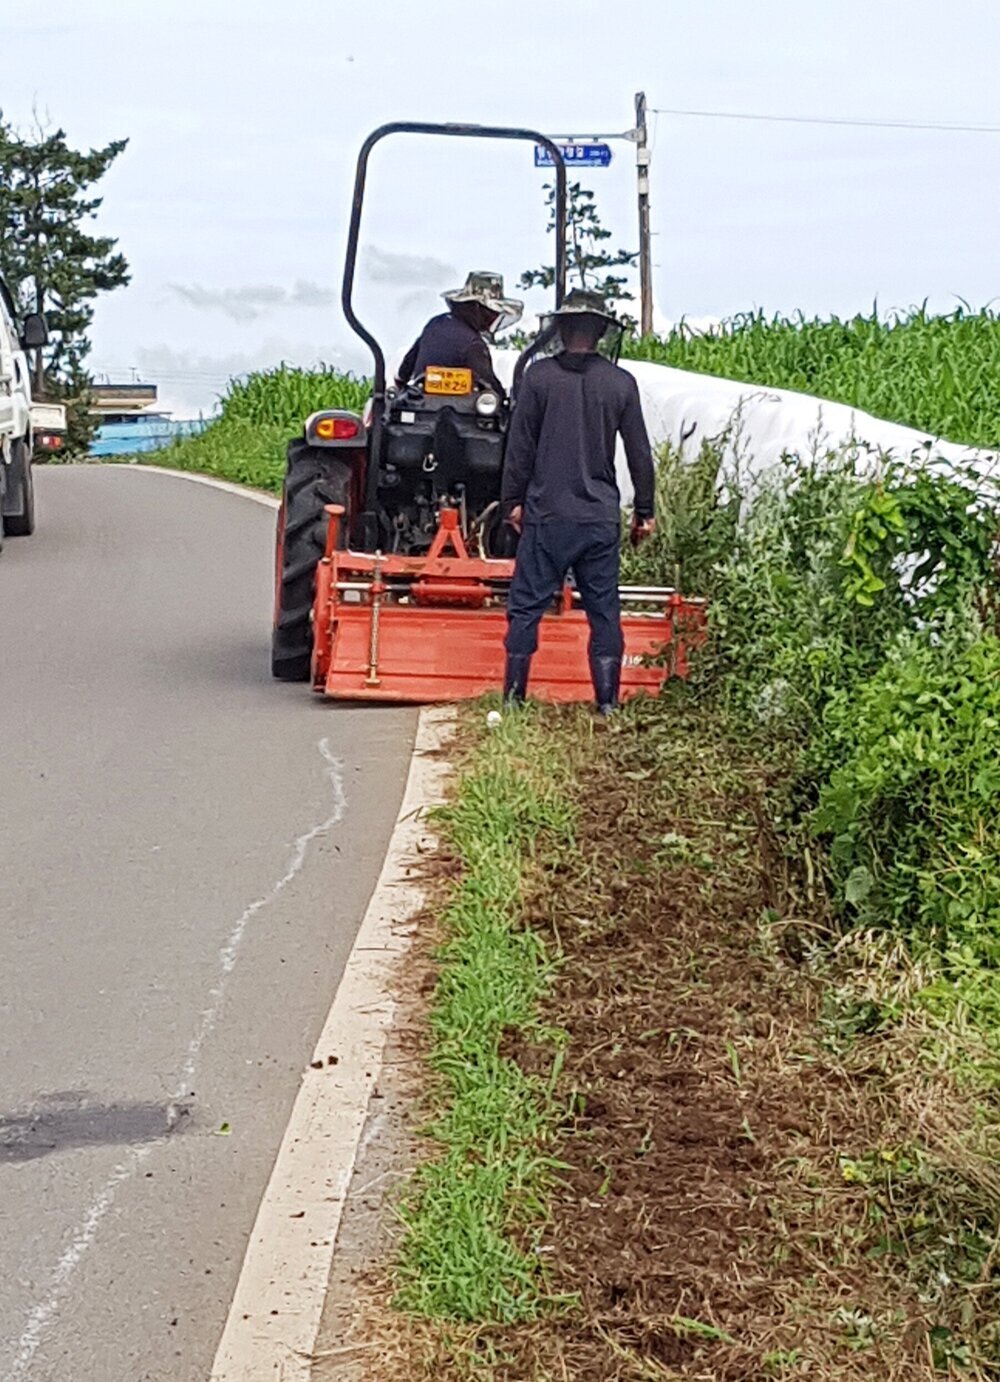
[[276, 1311], [43, 1313], [227, 486], [229, 952]]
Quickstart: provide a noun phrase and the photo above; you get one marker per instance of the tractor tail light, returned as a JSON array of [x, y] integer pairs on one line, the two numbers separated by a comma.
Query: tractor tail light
[[329, 428], [337, 428]]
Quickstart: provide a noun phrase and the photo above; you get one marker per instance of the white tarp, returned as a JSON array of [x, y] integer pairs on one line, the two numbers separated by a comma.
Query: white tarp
[[686, 408]]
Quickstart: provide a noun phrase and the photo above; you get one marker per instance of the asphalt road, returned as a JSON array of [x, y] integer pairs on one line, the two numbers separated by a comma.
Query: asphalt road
[[186, 850]]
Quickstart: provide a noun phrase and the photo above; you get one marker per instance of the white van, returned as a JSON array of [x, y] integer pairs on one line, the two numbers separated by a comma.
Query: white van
[[23, 424]]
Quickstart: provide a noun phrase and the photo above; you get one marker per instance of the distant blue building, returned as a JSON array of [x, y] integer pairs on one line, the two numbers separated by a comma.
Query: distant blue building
[[130, 421]]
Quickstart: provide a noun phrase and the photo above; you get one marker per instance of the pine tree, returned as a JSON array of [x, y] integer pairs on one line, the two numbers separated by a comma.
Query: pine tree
[[589, 263], [48, 258]]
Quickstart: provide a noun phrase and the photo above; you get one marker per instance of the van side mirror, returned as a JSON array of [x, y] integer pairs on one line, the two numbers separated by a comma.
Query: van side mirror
[[35, 332]]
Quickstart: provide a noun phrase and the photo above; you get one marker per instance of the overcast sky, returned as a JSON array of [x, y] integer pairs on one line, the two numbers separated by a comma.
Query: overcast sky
[[244, 119]]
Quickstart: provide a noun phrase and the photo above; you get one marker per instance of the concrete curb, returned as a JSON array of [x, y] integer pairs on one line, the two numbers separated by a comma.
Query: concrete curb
[[276, 1310]]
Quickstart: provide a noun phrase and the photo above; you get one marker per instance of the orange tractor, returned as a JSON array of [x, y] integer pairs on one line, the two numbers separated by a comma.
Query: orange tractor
[[393, 560]]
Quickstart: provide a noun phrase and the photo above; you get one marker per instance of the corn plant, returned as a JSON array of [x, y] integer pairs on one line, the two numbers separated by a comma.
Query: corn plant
[[286, 395]]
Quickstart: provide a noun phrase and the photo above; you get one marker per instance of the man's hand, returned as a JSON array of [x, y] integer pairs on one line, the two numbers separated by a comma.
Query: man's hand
[[516, 517], [641, 529]]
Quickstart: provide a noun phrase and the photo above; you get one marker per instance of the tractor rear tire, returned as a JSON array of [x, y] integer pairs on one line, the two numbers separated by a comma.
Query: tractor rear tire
[[20, 491], [313, 479]]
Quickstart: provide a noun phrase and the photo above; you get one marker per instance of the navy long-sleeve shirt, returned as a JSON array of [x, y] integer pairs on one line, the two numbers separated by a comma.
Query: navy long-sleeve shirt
[[560, 459], [453, 344]]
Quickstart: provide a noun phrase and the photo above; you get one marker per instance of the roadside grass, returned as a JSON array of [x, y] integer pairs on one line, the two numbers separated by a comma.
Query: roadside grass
[[241, 452], [472, 1214], [773, 1112]]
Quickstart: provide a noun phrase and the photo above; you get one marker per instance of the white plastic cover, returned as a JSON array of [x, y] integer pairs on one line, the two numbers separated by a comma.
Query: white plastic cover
[[685, 408]]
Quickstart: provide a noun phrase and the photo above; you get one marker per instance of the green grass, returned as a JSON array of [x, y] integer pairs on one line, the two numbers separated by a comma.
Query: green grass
[[935, 373], [470, 1211], [260, 415]]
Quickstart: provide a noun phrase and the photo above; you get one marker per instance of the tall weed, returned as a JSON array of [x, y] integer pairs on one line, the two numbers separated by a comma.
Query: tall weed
[[852, 624], [698, 513], [908, 770]]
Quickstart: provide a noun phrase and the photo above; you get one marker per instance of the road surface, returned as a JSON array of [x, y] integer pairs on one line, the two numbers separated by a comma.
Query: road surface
[[187, 849]]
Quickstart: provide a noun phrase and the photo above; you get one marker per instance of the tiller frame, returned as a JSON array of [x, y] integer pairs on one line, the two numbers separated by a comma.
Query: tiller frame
[[431, 628]]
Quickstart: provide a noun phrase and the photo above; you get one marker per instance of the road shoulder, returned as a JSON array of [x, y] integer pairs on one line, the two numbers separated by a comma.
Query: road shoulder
[[275, 1315]]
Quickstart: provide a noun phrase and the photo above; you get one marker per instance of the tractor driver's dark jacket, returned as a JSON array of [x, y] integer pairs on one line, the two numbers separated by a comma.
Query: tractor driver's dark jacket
[[453, 344], [560, 461]]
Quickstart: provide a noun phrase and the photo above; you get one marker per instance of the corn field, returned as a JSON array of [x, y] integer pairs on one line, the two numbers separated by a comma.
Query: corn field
[[936, 373], [939, 374], [285, 396]]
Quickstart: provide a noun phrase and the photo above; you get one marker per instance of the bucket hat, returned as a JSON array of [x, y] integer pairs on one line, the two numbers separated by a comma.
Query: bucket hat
[[487, 289]]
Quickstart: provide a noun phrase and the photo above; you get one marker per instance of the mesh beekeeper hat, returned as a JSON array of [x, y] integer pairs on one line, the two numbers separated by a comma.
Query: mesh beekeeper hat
[[581, 302], [487, 289]]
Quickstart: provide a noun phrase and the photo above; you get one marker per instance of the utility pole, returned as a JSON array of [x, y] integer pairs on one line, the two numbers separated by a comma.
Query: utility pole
[[639, 137], [645, 248]]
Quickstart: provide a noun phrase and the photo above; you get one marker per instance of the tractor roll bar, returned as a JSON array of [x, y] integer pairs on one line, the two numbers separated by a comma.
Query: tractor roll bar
[[462, 131]]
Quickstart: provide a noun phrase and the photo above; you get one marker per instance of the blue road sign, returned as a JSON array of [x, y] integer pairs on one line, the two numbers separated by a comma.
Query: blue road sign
[[575, 155]]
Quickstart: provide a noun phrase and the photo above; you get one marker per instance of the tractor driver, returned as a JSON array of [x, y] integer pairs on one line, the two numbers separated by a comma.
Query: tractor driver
[[455, 339]]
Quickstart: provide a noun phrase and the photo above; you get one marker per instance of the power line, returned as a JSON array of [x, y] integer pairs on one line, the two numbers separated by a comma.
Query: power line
[[831, 120]]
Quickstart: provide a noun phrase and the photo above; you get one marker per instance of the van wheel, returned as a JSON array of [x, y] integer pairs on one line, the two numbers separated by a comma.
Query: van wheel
[[20, 495]]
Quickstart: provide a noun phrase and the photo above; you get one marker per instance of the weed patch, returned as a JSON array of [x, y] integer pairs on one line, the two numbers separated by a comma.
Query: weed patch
[[771, 1126], [760, 1165]]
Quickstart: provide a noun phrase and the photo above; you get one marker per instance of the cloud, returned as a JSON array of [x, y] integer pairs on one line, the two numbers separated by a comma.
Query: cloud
[[241, 304], [307, 294], [413, 270], [423, 299], [248, 302]]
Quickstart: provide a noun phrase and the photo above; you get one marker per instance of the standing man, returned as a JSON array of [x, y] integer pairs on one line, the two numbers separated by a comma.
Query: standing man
[[561, 494]]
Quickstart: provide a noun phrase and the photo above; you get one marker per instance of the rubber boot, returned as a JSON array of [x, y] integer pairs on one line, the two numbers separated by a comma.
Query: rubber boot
[[515, 680], [606, 674]]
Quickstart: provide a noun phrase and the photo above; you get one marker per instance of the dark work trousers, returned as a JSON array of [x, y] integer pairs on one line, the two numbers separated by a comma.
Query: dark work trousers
[[545, 554]]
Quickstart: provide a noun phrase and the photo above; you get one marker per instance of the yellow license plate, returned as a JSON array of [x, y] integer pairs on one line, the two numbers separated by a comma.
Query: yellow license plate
[[437, 379]]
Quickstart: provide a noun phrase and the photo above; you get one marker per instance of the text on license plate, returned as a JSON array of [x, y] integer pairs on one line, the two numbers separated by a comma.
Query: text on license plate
[[439, 380]]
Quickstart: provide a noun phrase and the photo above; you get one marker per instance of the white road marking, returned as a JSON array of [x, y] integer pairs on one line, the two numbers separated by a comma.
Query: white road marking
[[229, 952], [43, 1314]]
